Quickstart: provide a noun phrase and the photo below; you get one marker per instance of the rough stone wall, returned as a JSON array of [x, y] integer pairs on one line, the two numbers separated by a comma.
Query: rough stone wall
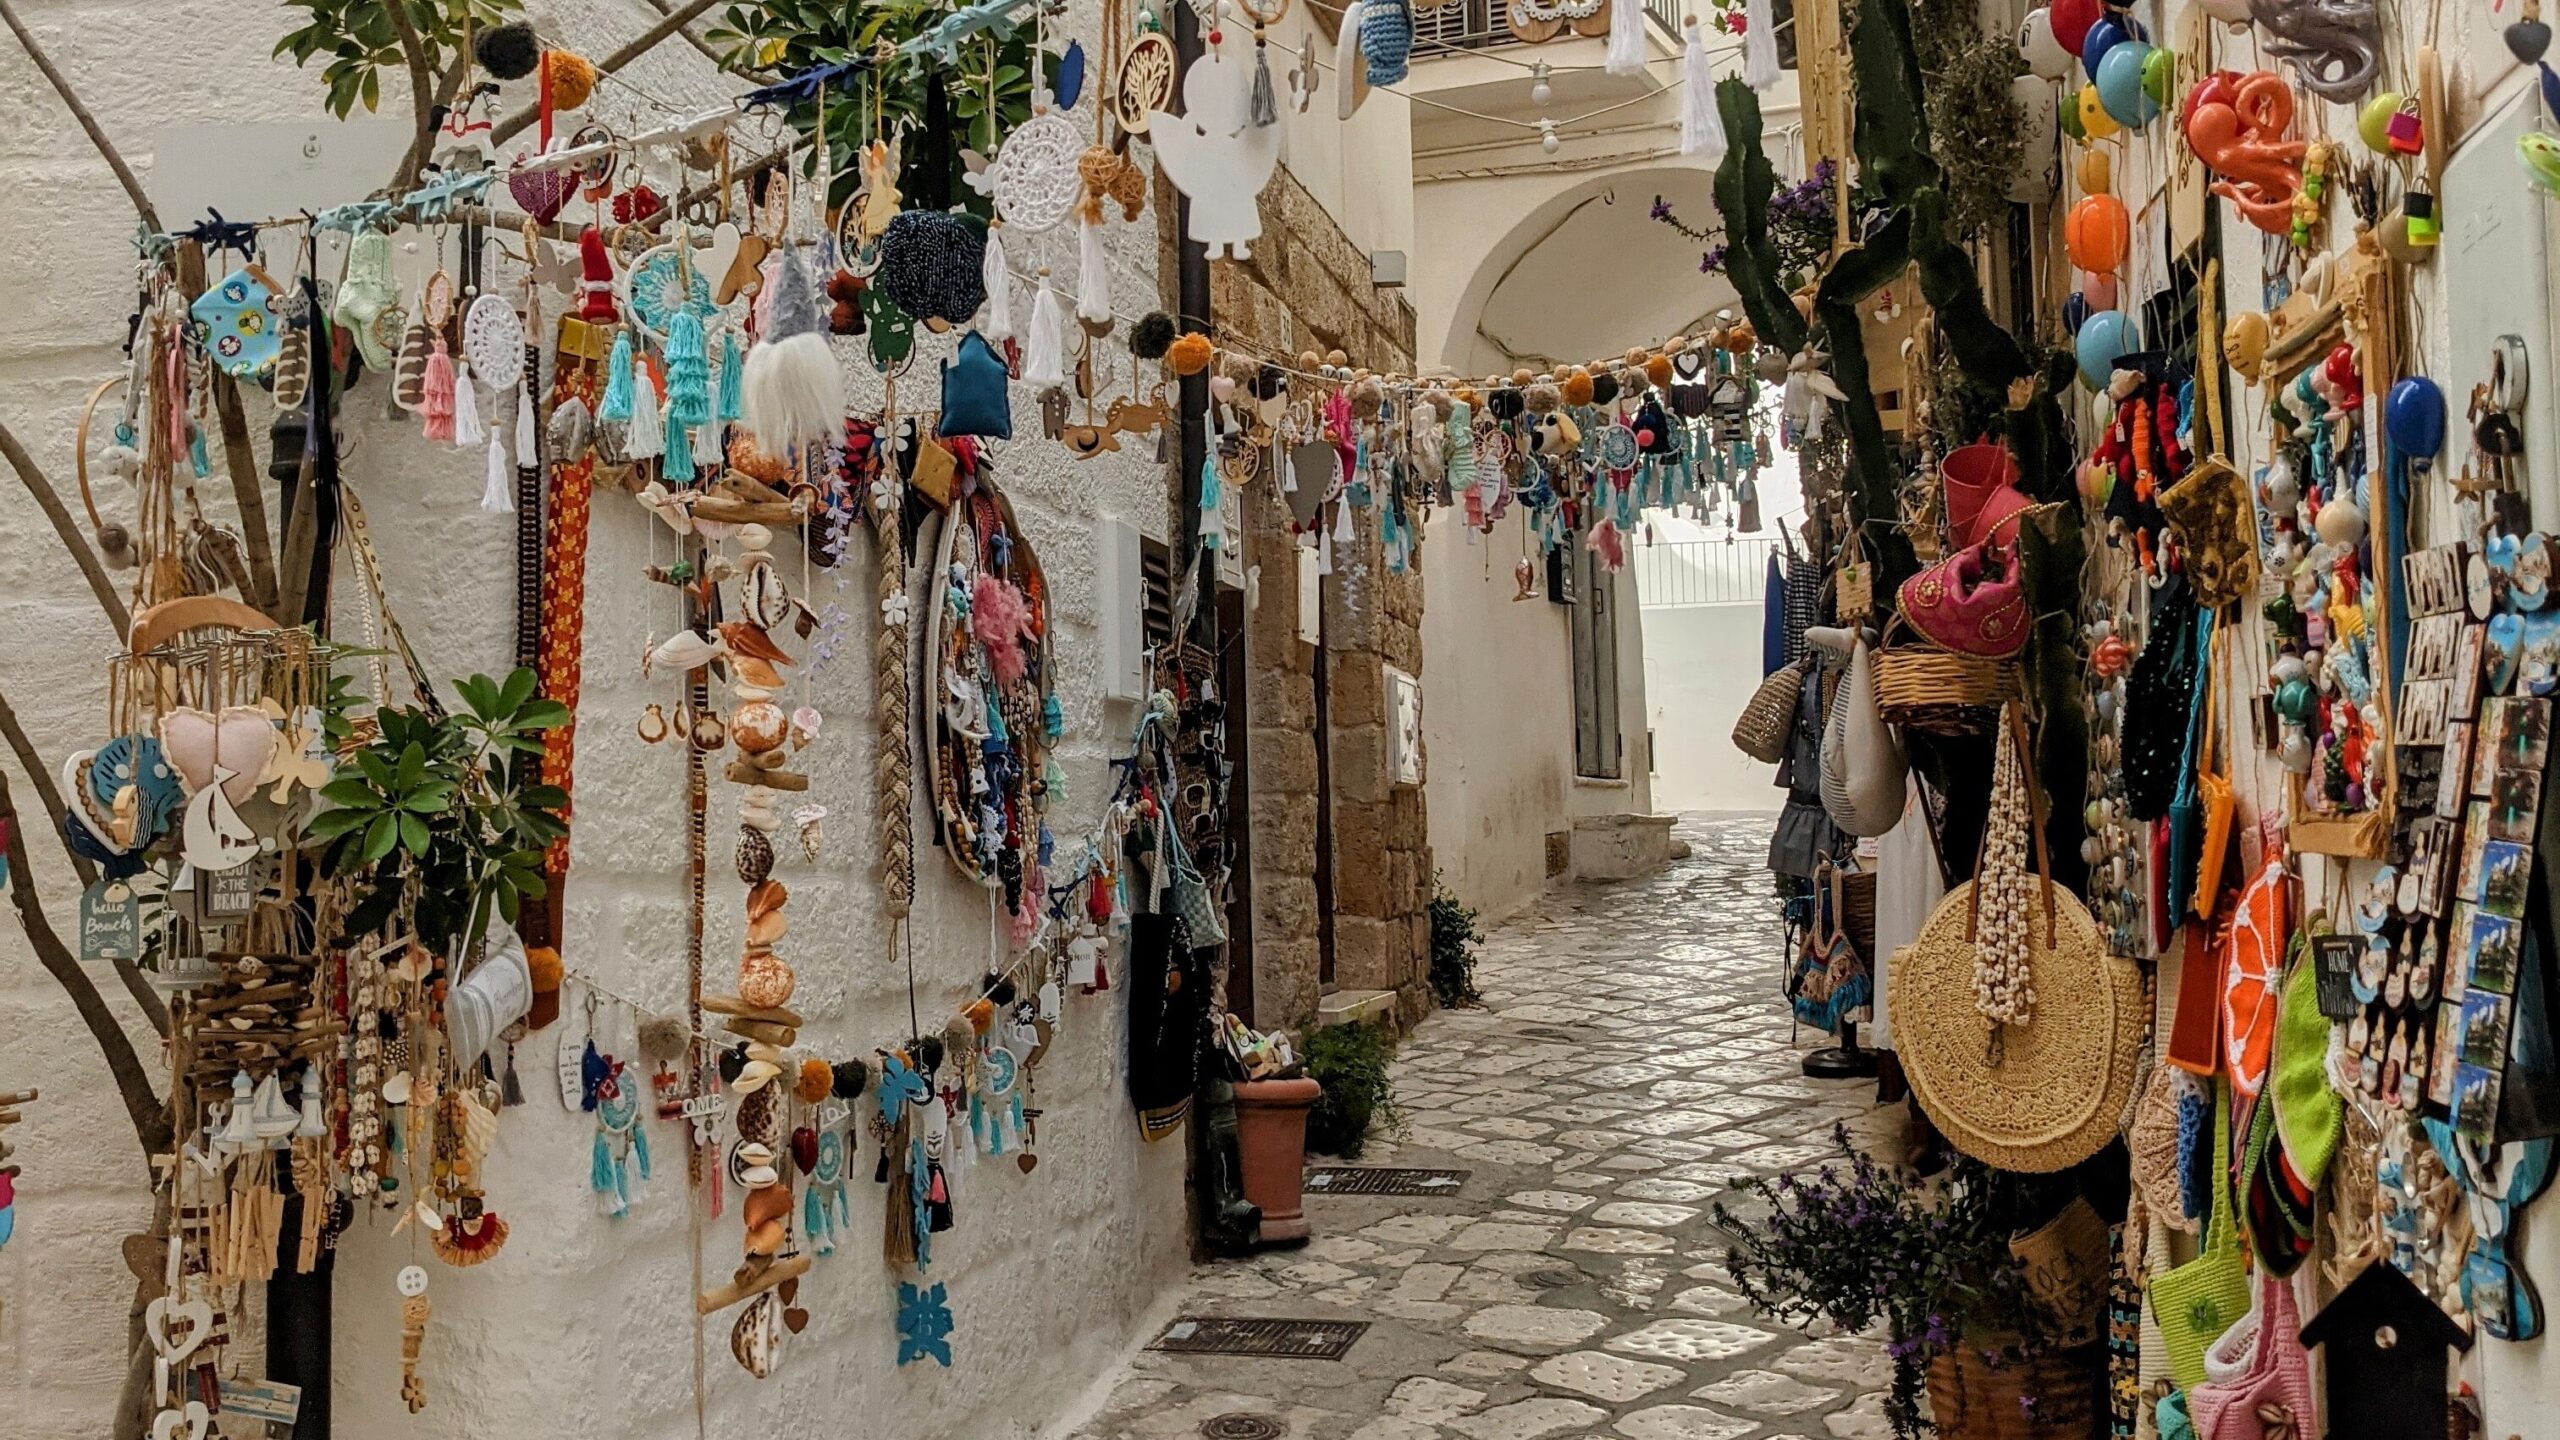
[[584, 1327], [1307, 287]]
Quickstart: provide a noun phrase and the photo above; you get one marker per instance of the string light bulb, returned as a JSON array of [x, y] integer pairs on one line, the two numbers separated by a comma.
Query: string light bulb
[[1540, 92], [1547, 140]]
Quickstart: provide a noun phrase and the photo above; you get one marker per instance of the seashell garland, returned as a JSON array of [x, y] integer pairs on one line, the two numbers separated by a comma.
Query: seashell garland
[[2002, 988]]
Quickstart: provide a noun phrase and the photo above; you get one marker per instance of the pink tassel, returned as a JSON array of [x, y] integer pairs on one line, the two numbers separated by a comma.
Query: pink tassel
[[437, 407], [998, 617], [1610, 544]]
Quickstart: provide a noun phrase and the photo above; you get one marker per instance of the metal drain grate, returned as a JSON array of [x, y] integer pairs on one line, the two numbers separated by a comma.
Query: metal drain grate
[[1240, 1426], [1383, 1180], [1277, 1339]]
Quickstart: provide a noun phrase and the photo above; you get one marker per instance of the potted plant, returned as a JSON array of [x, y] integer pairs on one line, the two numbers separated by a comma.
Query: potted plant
[[1938, 1264]]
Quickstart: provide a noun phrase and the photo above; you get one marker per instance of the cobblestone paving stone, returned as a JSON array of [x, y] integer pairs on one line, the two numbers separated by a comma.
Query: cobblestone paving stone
[[1632, 1059]]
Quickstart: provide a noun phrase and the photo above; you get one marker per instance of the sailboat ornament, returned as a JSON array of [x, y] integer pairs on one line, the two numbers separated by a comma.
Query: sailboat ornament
[[214, 837]]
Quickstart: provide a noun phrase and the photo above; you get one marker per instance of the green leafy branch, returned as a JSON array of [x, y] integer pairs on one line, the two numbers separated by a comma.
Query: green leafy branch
[[445, 814]]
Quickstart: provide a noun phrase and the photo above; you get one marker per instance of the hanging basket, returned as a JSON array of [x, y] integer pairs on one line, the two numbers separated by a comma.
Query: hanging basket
[[1938, 692], [1769, 715], [2054, 1395]]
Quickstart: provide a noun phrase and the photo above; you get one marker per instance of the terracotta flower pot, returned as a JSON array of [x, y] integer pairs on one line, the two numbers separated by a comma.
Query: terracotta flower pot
[[1271, 1137]]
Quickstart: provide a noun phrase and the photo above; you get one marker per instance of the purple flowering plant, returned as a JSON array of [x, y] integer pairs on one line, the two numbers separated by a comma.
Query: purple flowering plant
[[1859, 1244], [1800, 227]]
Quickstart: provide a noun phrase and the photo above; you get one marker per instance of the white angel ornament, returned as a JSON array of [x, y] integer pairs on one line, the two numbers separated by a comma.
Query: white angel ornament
[[1216, 154]]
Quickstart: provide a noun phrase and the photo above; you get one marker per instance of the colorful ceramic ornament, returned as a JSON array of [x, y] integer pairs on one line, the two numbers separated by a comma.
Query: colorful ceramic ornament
[[2121, 88], [2044, 52], [2334, 46], [2097, 233], [2237, 125], [2094, 118], [2102, 338], [1216, 155]]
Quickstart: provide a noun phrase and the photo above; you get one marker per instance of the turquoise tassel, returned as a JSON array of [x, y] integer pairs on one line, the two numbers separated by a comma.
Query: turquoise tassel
[[1053, 717], [732, 378], [677, 463], [616, 404], [640, 1148], [688, 373], [1211, 496], [196, 456], [600, 1169]]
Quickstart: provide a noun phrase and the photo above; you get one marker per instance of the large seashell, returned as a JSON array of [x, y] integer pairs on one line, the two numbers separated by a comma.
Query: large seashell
[[764, 597], [759, 726], [682, 651], [755, 856], [764, 981]]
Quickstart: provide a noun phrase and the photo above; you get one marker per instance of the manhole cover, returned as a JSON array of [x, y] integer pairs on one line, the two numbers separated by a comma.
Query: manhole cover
[[1383, 1180], [1551, 1279], [1241, 1427], [1278, 1339]]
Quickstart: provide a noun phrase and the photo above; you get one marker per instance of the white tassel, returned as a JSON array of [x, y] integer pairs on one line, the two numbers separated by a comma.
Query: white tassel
[[997, 274], [467, 430], [528, 430], [1093, 274], [648, 432], [1626, 38], [793, 391], [1701, 130], [1346, 60], [1759, 45], [498, 497], [1342, 521], [1044, 364]]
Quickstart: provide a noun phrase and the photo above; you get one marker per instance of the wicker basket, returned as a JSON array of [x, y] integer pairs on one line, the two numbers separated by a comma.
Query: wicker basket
[[1769, 716], [1939, 692], [1971, 1398]]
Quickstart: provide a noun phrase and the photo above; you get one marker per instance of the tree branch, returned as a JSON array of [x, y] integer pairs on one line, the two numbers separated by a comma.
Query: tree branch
[[149, 1115], [667, 7], [88, 122], [422, 97], [645, 42], [50, 501], [248, 490], [49, 795]]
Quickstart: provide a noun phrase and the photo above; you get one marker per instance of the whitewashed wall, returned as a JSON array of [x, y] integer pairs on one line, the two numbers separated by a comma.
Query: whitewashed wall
[[583, 1327]]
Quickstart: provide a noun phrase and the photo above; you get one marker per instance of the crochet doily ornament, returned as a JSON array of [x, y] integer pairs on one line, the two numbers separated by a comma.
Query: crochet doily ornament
[[931, 262], [1033, 178], [493, 341], [659, 283]]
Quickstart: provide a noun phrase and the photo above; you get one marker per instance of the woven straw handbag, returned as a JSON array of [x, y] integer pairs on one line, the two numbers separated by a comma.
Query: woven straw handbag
[[1769, 715], [2038, 1096]]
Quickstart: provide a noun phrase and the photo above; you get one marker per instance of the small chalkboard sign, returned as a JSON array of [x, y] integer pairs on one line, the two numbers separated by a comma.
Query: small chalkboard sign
[[2336, 955]]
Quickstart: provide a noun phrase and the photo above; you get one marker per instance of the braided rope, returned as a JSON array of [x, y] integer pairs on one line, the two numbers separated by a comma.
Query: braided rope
[[893, 770]]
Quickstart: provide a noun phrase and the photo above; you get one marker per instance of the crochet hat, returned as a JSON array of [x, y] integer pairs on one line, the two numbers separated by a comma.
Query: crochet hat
[[2308, 1112]]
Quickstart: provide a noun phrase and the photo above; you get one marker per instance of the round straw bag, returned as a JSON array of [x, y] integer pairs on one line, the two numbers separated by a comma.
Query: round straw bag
[[1938, 692], [1770, 715], [2036, 1096]]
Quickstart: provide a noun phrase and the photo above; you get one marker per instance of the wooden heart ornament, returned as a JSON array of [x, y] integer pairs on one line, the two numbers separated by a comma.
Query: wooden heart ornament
[[241, 739], [177, 1327], [189, 1423]]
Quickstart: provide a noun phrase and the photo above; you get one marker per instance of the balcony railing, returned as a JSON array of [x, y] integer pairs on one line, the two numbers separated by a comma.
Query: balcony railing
[[1483, 24], [1681, 573]]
